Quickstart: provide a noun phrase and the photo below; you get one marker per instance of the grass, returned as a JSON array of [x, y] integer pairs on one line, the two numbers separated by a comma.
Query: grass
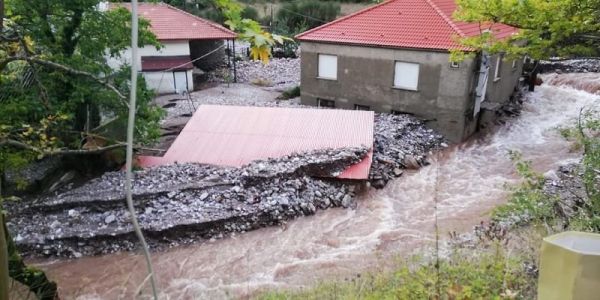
[[490, 274]]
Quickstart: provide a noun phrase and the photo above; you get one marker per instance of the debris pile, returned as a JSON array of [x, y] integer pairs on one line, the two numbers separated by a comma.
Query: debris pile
[[185, 203], [571, 66], [280, 73], [181, 204], [401, 142]]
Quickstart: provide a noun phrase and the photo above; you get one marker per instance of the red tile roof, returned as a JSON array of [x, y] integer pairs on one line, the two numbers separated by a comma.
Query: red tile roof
[[170, 23], [160, 63], [236, 135], [417, 24]]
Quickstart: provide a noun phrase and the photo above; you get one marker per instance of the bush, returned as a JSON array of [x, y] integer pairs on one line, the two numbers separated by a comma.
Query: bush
[[290, 93], [307, 13]]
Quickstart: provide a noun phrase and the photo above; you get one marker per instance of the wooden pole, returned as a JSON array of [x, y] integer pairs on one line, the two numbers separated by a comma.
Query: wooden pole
[[3, 261]]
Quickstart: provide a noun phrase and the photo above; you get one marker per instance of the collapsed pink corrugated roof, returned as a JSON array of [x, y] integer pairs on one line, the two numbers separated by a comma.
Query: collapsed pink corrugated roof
[[237, 135], [170, 23], [417, 24]]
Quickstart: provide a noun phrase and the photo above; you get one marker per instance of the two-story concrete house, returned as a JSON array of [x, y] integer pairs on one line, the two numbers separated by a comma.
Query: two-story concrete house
[[395, 57], [188, 41]]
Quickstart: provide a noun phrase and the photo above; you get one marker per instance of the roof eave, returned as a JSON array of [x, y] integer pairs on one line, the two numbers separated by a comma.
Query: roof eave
[[466, 49]]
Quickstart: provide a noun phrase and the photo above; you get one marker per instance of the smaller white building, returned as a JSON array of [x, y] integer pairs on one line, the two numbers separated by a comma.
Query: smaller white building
[[170, 68]]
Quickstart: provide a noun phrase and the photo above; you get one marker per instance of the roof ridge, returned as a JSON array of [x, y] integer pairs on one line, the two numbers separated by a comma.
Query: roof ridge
[[208, 22], [344, 18], [446, 18]]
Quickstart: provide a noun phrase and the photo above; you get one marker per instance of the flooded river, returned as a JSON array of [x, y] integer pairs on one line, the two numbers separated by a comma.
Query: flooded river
[[466, 181]]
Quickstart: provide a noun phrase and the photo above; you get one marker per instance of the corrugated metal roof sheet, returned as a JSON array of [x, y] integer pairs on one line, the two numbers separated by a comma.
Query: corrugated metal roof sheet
[[236, 135], [160, 63], [418, 24], [170, 23]]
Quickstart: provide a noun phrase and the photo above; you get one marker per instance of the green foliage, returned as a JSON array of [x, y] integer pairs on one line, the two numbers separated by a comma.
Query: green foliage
[[56, 80], [586, 134], [250, 12], [307, 14], [527, 203], [562, 28], [483, 276], [249, 30]]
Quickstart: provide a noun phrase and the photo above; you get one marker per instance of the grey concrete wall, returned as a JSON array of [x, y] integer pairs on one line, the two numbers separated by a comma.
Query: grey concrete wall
[[366, 76], [500, 90], [202, 47]]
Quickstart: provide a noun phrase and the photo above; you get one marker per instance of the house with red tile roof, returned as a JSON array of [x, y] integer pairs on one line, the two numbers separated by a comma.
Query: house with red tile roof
[[188, 43], [394, 57]]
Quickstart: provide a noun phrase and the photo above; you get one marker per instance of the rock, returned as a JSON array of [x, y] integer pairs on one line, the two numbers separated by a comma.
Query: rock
[[73, 213], [110, 218], [410, 162], [551, 175], [55, 224], [203, 196], [347, 201], [398, 172]]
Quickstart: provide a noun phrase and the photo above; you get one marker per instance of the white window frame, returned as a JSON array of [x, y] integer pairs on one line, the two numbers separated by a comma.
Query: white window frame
[[454, 65], [413, 83], [498, 68], [514, 64], [322, 72]]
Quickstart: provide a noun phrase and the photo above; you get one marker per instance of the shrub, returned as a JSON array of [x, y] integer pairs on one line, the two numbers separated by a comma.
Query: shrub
[[290, 93]]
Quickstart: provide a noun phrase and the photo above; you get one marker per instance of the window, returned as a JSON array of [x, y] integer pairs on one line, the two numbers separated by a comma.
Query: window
[[361, 107], [454, 65], [327, 66], [406, 76], [514, 64], [498, 72], [325, 103]]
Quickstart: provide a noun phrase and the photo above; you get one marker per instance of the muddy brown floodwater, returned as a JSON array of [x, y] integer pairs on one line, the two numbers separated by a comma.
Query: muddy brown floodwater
[[467, 181]]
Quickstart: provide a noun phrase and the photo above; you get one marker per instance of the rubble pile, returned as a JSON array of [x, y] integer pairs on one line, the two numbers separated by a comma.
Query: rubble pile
[[401, 142], [571, 66], [183, 203], [180, 204], [281, 73]]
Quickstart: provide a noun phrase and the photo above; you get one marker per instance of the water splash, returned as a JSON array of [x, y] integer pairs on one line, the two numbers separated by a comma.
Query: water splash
[[340, 243]]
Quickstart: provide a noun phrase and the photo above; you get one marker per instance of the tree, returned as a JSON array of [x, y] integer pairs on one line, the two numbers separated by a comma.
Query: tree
[[56, 81], [563, 28]]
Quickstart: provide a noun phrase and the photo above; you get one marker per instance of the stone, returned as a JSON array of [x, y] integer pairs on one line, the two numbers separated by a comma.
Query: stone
[[347, 201], [410, 162], [73, 213], [398, 172], [110, 218]]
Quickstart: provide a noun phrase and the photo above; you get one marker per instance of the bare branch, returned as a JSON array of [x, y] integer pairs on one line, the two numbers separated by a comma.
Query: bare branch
[[21, 145]]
